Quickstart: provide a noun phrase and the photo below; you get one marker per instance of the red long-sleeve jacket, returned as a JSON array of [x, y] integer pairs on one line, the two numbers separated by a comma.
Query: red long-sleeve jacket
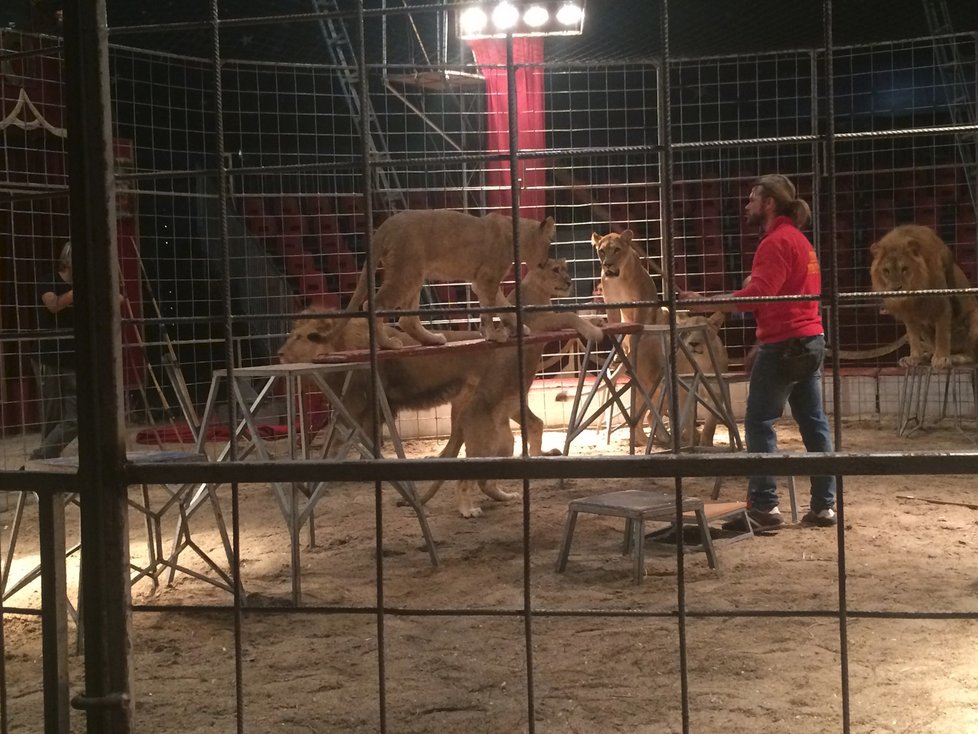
[[784, 264]]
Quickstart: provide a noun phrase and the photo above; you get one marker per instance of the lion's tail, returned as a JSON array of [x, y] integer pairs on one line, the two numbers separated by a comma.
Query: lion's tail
[[451, 450], [356, 300]]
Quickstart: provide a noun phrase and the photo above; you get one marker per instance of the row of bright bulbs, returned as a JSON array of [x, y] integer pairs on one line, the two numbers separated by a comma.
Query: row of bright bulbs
[[536, 18]]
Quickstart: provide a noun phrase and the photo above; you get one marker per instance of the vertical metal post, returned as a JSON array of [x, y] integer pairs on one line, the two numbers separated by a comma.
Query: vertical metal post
[[54, 611], [514, 188], [664, 103], [101, 444], [836, 377]]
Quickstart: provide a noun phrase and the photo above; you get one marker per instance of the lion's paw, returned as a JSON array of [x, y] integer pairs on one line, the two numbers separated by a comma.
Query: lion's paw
[[594, 334], [496, 334], [503, 496], [911, 361], [434, 340], [941, 363], [470, 511]]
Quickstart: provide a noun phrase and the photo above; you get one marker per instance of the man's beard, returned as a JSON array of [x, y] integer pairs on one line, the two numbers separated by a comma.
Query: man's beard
[[754, 220]]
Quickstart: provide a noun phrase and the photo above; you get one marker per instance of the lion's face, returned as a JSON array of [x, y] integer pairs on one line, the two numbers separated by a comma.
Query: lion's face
[[612, 249], [699, 341], [306, 341], [555, 277], [896, 269], [311, 339], [901, 259]]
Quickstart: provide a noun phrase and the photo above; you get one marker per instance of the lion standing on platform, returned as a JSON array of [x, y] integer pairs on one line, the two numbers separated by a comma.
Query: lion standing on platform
[[442, 244], [941, 330]]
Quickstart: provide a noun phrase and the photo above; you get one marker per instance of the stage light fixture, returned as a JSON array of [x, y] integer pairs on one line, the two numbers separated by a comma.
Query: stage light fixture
[[472, 21], [505, 16], [501, 18], [536, 16], [570, 14]]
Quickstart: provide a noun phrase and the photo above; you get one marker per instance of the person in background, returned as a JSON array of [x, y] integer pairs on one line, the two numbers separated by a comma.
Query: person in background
[[54, 364], [791, 347]]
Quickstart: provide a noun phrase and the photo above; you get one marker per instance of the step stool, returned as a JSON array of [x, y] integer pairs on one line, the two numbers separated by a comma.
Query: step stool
[[636, 506]]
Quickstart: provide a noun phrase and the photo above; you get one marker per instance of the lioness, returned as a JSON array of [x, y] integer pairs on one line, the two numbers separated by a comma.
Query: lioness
[[697, 344], [481, 419], [941, 330], [624, 279], [443, 244]]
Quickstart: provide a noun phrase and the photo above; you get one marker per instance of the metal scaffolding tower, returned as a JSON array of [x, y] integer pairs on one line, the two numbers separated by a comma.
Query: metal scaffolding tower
[[958, 89], [341, 52]]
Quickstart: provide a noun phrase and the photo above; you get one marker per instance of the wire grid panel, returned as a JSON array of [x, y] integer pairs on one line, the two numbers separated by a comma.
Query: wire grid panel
[[33, 231], [298, 212]]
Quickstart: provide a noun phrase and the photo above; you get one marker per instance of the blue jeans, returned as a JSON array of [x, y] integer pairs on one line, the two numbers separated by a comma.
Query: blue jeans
[[770, 388]]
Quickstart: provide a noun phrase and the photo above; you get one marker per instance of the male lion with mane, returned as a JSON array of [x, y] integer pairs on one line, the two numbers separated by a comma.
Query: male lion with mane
[[481, 418], [442, 244], [941, 330], [484, 387]]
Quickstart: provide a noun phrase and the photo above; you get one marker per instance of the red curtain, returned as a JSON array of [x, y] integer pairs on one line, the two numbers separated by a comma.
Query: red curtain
[[490, 55]]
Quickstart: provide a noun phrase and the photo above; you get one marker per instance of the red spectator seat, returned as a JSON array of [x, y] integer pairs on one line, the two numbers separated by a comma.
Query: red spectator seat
[[289, 245], [293, 223], [352, 210], [324, 224], [339, 261], [256, 217], [289, 206], [314, 290]]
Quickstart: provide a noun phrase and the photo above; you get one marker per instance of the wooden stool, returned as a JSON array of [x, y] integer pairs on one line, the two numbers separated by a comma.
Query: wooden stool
[[636, 506]]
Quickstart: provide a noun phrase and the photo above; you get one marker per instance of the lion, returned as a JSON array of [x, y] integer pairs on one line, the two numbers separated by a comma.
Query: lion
[[625, 280], [488, 381], [443, 244], [481, 420], [700, 347], [418, 382], [941, 330]]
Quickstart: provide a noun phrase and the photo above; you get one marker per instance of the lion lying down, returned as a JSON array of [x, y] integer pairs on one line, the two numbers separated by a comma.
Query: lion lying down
[[442, 244], [483, 387], [940, 330]]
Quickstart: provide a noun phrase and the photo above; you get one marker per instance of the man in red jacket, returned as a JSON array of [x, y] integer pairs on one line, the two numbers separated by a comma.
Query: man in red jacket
[[788, 364]]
